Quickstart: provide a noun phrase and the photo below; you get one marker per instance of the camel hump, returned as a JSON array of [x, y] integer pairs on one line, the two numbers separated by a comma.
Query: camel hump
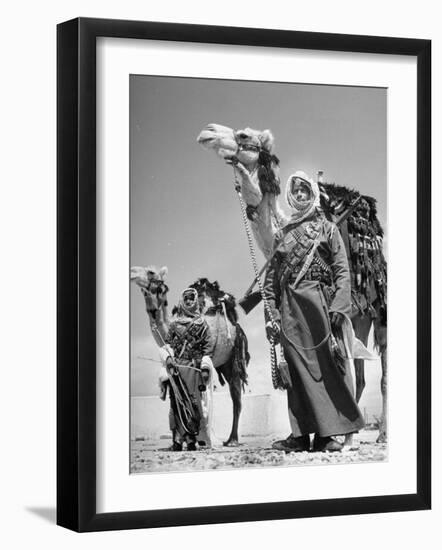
[[222, 338]]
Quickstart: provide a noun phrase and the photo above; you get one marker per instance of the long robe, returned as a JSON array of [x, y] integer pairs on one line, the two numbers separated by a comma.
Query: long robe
[[190, 341], [321, 397]]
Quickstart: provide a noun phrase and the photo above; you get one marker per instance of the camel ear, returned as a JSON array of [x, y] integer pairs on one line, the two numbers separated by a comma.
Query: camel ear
[[267, 140], [163, 272]]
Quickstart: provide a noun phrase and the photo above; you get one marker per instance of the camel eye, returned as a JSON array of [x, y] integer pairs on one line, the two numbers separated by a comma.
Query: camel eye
[[243, 135]]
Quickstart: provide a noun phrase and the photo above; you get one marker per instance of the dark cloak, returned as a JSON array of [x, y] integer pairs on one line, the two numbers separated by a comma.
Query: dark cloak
[[321, 398]]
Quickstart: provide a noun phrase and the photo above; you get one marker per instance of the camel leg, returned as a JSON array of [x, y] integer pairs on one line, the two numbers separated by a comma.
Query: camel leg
[[361, 325], [348, 438], [360, 385], [381, 342], [235, 393], [360, 378], [382, 438]]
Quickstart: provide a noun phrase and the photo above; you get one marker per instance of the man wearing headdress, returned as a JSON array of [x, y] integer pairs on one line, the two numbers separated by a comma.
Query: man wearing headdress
[[188, 365], [308, 289]]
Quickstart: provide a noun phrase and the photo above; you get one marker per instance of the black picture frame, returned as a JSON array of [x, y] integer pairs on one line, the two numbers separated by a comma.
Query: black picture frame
[[76, 273]]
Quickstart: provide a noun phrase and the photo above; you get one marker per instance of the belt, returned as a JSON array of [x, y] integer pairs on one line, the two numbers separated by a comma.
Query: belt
[[319, 270]]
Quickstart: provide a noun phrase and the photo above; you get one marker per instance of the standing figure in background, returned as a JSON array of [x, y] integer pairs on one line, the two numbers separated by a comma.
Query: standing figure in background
[[187, 370], [308, 289]]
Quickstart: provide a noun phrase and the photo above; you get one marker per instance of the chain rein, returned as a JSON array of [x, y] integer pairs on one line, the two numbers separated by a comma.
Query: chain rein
[[276, 377]]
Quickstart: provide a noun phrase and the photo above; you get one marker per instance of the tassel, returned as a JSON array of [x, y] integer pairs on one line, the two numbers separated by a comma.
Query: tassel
[[263, 176], [338, 359], [284, 373], [275, 160], [268, 183]]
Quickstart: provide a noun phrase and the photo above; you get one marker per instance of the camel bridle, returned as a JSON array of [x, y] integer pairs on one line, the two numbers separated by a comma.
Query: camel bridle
[[159, 292], [264, 155], [246, 146]]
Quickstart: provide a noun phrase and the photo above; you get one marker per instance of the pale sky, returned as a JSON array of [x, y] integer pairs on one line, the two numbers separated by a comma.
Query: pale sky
[[184, 210]]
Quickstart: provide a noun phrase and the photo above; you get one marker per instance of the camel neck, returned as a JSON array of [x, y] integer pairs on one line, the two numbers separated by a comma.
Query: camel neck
[[252, 168]]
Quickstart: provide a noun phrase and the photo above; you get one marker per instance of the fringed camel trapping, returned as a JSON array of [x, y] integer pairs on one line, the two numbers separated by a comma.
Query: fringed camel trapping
[[362, 234]]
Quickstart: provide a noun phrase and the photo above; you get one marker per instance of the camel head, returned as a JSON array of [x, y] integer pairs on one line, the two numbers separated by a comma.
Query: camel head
[[245, 145], [152, 283], [252, 148]]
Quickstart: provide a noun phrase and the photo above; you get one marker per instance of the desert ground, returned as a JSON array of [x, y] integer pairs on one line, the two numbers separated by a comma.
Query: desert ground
[[153, 456]]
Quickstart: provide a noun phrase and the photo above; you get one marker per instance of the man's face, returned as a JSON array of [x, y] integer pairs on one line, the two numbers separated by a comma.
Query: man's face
[[189, 299], [301, 191]]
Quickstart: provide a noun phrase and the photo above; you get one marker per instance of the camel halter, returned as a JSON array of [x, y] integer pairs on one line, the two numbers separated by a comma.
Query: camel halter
[[249, 147], [246, 147], [161, 290], [276, 377]]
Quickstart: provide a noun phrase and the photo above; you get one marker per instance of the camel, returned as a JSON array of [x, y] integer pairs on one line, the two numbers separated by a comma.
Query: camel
[[230, 348], [256, 170], [154, 289]]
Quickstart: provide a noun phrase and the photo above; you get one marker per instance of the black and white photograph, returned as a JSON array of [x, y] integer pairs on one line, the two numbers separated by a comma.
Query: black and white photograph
[[258, 274], [221, 249]]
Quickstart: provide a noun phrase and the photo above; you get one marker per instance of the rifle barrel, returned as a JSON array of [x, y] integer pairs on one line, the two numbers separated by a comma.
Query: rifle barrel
[[349, 210]]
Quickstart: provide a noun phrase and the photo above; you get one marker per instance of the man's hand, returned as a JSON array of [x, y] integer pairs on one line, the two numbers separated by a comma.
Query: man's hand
[[166, 354], [205, 376], [170, 365], [273, 331], [337, 320]]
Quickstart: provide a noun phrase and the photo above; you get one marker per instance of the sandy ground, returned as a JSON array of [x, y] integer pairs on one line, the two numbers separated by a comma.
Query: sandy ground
[[153, 456]]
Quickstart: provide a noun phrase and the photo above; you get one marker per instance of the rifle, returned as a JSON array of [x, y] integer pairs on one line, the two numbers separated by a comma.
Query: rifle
[[251, 299]]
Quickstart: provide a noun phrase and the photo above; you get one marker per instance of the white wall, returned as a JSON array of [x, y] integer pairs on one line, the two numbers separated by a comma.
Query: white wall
[[262, 415], [28, 271]]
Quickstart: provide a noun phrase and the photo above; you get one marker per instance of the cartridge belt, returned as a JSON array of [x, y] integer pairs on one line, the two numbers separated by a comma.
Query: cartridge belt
[[319, 270], [300, 242]]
